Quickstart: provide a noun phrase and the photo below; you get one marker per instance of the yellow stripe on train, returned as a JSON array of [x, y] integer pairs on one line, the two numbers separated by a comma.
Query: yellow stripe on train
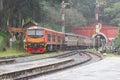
[[35, 40]]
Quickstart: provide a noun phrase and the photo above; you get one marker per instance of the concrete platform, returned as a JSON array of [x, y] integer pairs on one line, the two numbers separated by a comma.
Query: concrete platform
[[106, 69], [6, 69]]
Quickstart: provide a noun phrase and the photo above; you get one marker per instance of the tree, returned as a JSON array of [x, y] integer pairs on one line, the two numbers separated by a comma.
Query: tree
[[1, 8], [73, 18], [112, 14]]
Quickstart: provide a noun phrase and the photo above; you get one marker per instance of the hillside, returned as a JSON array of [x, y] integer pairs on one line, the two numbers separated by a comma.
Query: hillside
[[48, 12]]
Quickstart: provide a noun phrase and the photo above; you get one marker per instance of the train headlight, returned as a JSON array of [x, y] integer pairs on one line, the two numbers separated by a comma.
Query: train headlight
[[28, 43], [24, 41], [35, 27]]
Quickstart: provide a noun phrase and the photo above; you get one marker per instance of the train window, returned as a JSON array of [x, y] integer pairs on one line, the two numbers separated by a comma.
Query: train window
[[39, 32], [49, 37], [59, 38], [35, 33], [66, 38], [53, 38], [31, 32]]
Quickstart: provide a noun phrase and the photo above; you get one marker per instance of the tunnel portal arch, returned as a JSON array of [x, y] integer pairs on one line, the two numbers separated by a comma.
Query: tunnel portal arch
[[101, 36]]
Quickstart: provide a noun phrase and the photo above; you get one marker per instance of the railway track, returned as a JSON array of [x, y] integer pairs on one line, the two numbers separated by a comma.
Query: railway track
[[28, 70], [7, 61], [21, 59]]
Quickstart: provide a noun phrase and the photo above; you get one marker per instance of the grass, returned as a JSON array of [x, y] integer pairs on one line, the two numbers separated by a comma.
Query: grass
[[112, 55], [92, 50], [12, 52], [108, 54], [17, 53]]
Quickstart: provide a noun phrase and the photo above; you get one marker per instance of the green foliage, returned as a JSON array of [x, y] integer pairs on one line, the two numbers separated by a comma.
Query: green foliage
[[2, 43], [3, 34], [43, 11], [12, 53], [115, 21], [82, 12], [117, 41], [16, 45], [74, 18], [3, 40], [51, 26], [112, 13]]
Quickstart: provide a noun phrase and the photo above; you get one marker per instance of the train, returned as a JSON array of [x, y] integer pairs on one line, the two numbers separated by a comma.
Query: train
[[40, 40]]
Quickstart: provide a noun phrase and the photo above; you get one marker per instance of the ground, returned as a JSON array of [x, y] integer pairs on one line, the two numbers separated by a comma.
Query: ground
[[106, 69]]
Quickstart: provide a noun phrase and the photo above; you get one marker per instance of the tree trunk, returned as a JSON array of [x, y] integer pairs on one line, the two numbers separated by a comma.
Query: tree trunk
[[1, 8], [1, 5]]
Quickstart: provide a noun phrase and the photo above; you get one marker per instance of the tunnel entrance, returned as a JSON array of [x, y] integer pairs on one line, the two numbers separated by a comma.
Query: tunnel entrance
[[100, 41], [102, 38]]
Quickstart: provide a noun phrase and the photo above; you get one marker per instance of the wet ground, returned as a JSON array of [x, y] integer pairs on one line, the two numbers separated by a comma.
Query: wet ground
[[106, 69]]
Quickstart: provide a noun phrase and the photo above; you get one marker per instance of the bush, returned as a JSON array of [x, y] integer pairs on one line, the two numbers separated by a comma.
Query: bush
[[3, 40], [17, 45], [2, 43], [3, 34]]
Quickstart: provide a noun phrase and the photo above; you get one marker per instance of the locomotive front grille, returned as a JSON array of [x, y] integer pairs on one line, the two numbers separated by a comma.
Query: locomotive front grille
[[35, 45]]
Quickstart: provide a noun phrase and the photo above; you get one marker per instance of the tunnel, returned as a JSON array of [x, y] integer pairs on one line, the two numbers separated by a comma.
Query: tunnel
[[100, 41], [102, 37]]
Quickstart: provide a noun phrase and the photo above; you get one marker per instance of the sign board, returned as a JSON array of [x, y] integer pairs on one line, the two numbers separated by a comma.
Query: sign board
[[12, 29]]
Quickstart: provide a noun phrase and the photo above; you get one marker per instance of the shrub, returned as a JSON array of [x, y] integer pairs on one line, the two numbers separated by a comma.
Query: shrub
[[17, 45], [2, 43]]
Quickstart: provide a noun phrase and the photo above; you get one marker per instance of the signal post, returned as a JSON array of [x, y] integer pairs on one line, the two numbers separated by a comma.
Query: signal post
[[63, 14]]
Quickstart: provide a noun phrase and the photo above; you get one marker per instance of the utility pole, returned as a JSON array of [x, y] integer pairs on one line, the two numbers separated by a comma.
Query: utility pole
[[63, 14], [98, 25], [97, 11]]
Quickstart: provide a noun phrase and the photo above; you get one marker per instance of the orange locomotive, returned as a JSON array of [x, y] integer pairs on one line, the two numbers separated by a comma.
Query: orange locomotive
[[39, 40]]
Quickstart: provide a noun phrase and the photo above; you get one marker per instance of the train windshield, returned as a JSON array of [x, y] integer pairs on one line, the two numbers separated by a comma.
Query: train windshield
[[35, 33]]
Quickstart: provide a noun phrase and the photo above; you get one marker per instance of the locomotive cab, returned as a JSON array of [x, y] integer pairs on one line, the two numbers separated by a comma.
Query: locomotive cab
[[35, 33], [35, 40]]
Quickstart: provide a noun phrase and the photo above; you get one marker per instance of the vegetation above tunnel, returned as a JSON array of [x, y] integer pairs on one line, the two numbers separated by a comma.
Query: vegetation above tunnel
[[81, 13]]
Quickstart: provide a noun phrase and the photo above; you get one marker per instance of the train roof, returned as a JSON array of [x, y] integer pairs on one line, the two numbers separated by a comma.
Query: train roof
[[72, 34], [39, 27], [35, 27]]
